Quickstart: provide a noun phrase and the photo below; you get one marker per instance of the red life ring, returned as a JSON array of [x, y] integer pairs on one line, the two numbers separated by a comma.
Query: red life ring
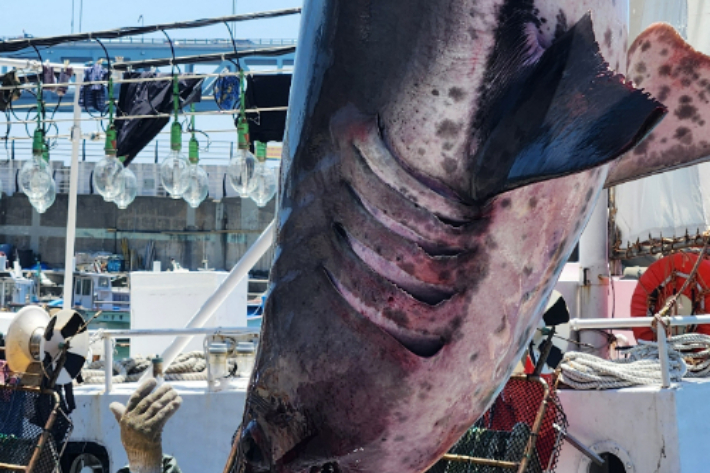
[[663, 279]]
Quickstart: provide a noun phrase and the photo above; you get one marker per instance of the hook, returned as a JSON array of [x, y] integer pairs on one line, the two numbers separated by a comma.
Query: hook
[[110, 87], [172, 50], [234, 46], [108, 59], [40, 94]]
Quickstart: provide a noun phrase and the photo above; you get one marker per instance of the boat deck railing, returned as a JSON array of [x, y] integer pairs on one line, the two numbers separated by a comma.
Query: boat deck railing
[[638, 322], [109, 335]]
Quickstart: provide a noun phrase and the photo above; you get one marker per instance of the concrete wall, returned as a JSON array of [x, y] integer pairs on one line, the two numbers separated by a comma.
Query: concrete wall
[[220, 231]]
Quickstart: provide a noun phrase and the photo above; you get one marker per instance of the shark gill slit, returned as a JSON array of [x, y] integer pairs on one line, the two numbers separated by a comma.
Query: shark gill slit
[[368, 263], [422, 191], [423, 345], [410, 232]]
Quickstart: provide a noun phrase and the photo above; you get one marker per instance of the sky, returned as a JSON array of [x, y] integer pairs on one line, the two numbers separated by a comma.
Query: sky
[[54, 17]]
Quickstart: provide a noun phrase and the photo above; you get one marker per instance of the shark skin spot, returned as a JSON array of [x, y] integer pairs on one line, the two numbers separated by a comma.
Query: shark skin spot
[[448, 129], [641, 68], [435, 92], [664, 70], [684, 135], [642, 148], [607, 37], [473, 358], [664, 93], [491, 243], [450, 165], [646, 46], [527, 270], [457, 94], [505, 203], [638, 80], [561, 27], [685, 112]]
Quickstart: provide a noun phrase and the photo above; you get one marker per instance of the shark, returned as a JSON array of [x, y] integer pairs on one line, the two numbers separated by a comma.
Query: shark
[[441, 160]]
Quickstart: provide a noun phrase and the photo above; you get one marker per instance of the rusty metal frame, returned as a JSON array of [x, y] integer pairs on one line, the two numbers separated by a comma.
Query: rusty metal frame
[[45, 431], [521, 465], [658, 246]]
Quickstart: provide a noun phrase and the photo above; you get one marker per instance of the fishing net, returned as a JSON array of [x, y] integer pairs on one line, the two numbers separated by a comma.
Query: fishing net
[[25, 413], [503, 433]]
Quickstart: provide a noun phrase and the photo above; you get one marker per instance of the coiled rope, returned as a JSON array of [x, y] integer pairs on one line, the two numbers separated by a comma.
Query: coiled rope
[[186, 367], [688, 356]]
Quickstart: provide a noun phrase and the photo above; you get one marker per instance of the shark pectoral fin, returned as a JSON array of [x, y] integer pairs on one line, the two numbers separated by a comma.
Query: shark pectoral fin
[[673, 72], [565, 114]]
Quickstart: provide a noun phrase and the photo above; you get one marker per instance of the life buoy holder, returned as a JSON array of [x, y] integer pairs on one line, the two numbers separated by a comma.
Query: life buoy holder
[[662, 280]]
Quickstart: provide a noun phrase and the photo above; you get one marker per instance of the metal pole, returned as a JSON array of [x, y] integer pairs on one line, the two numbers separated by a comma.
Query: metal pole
[[594, 279], [663, 356], [73, 189], [153, 332], [108, 364], [240, 270], [632, 322]]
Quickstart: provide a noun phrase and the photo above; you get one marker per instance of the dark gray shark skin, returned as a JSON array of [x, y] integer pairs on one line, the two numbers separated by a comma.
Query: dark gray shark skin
[[441, 161]]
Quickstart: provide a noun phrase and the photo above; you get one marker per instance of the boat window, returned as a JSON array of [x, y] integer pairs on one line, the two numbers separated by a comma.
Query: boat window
[[86, 287], [77, 287], [104, 283]]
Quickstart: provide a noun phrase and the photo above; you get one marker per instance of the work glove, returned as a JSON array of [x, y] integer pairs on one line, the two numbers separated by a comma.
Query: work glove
[[142, 421]]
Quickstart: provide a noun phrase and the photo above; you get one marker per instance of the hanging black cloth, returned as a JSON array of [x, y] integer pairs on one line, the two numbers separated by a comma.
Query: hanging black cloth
[[148, 98], [266, 91]]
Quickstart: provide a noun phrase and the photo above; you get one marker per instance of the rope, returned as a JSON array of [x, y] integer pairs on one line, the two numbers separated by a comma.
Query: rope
[[688, 354], [186, 367]]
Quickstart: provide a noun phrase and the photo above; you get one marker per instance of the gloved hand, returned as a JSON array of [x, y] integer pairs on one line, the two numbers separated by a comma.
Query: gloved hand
[[142, 421]]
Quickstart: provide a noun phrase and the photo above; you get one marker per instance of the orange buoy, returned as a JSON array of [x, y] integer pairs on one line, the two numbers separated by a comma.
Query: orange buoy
[[662, 280]]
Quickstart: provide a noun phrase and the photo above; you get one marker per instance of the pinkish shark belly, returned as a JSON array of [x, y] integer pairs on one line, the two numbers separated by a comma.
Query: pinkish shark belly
[[420, 237]]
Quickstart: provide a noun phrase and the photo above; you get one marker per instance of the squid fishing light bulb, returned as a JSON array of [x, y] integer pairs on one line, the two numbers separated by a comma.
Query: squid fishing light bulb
[[194, 177], [171, 169], [196, 184], [174, 164], [241, 167], [35, 177], [265, 189], [129, 189], [241, 172], [105, 175], [47, 200], [264, 178]]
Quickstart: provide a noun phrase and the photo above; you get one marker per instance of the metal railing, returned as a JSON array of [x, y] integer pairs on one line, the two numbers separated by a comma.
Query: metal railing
[[226, 42], [109, 335], [638, 322]]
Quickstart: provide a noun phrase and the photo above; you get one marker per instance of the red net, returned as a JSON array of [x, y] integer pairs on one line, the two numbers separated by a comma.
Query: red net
[[504, 431]]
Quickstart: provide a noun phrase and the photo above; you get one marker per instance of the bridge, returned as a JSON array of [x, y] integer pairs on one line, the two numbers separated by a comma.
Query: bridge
[[144, 48]]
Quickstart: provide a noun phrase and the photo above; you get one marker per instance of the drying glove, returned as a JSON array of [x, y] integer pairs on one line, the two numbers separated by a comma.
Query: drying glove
[[142, 421]]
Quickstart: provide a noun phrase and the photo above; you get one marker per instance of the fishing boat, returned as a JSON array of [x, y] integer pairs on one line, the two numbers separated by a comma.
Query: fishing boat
[[658, 427]]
